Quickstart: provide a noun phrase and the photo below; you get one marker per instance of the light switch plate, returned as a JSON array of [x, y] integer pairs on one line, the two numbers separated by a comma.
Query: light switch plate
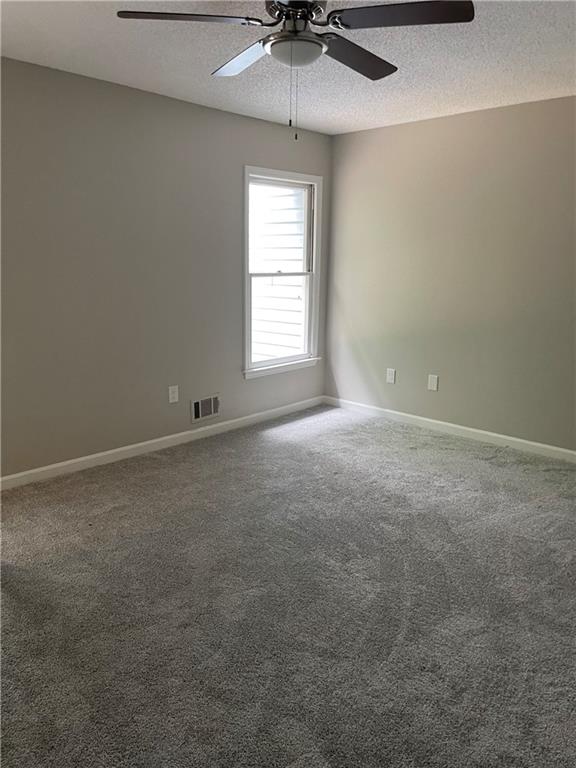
[[173, 393], [433, 382], [390, 375]]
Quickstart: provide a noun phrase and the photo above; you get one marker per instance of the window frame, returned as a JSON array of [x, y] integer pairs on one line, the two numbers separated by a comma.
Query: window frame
[[281, 365]]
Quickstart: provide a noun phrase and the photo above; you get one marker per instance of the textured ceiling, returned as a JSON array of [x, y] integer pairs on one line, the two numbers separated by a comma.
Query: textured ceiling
[[512, 52]]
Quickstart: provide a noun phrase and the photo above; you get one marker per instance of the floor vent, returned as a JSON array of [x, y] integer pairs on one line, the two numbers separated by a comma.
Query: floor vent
[[205, 408]]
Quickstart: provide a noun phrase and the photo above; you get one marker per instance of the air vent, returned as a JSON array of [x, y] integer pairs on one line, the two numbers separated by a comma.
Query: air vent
[[205, 408]]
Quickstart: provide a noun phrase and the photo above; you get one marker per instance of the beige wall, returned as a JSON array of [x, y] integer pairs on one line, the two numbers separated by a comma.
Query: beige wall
[[454, 253], [122, 259]]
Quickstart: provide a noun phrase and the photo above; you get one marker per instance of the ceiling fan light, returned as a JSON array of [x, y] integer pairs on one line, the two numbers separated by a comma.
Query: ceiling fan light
[[296, 52]]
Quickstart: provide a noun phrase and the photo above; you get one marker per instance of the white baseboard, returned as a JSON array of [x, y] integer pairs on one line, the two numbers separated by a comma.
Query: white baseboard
[[157, 444], [148, 446], [551, 451]]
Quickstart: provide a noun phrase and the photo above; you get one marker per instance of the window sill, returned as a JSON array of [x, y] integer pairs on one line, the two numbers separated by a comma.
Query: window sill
[[254, 373]]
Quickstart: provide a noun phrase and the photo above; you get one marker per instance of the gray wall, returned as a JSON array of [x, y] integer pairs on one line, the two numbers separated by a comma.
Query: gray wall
[[122, 247], [454, 253]]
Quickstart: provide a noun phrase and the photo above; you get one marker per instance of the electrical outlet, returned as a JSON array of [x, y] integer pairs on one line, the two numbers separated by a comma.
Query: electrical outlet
[[390, 375], [433, 382], [173, 393]]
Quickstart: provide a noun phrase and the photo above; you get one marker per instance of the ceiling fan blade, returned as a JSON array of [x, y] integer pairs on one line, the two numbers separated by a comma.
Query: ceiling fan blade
[[245, 21], [357, 58], [403, 14], [242, 61]]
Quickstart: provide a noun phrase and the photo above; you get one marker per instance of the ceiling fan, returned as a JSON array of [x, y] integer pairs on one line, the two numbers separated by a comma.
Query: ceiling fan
[[296, 45]]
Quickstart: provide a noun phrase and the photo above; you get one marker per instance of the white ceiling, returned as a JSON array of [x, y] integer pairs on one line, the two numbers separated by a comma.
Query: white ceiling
[[512, 52]]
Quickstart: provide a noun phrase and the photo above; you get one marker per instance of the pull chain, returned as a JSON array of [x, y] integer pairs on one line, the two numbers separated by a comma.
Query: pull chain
[[295, 97], [296, 118], [291, 70]]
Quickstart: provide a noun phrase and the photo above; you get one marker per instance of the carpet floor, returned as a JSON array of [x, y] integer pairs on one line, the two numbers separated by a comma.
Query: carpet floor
[[329, 590]]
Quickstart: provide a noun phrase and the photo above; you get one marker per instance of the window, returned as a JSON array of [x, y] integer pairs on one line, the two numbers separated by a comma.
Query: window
[[282, 280]]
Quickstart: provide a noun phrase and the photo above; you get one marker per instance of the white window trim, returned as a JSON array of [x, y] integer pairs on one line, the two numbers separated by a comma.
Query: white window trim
[[302, 361]]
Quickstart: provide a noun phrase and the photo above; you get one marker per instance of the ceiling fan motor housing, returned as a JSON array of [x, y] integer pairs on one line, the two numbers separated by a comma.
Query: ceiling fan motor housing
[[308, 9]]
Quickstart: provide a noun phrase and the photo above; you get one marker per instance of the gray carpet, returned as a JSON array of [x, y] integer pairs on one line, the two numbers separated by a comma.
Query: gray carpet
[[325, 591]]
